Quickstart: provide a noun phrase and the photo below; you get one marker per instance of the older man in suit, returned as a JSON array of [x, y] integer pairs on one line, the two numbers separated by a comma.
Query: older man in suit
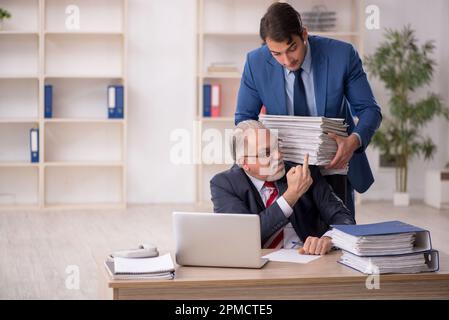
[[257, 184]]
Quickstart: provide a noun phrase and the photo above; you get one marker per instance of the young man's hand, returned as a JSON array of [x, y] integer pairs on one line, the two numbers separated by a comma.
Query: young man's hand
[[346, 148], [299, 181], [316, 246]]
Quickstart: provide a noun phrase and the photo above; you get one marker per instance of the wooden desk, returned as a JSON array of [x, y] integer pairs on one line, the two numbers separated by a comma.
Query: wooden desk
[[323, 278]]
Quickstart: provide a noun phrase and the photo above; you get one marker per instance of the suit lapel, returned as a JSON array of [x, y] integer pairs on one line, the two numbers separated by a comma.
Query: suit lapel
[[253, 190], [320, 64], [277, 83]]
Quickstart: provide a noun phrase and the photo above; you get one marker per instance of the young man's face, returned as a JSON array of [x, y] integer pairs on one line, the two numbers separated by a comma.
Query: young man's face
[[290, 55]]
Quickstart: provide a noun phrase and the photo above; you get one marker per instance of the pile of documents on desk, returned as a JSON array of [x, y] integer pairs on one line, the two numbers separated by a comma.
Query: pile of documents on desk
[[386, 247], [141, 268], [301, 135]]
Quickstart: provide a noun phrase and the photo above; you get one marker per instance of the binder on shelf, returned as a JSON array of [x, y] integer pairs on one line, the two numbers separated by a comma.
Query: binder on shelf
[[34, 145], [119, 97], [115, 102], [111, 102], [207, 100], [48, 101], [215, 100]]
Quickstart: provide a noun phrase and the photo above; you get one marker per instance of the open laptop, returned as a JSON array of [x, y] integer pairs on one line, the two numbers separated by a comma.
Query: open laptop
[[218, 240]]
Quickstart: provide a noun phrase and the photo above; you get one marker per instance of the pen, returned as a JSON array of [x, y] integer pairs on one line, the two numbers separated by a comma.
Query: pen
[[296, 243]]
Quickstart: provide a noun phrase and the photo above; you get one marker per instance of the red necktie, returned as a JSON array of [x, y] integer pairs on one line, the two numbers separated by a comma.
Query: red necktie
[[274, 192], [277, 239]]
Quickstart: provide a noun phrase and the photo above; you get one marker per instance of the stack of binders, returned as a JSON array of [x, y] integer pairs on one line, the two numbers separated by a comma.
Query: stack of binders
[[115, 102], [386, 247], [299, 136]]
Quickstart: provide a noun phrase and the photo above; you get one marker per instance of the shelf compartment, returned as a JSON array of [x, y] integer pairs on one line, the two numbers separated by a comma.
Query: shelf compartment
[[83, 142], [228, 50], [234, 16], [229, 91], [78, 55], [15, 142], [24, 16], [19, 55], [95, 15], [80, 99], [82, 185], [348, 12], [19, 186], [19, 98]]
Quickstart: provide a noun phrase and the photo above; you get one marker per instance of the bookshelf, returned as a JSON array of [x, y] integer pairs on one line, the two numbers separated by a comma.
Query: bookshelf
[[82, 153], [226, 31]]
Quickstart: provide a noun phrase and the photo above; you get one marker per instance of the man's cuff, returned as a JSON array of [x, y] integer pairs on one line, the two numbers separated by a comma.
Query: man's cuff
[[328, 234], [285, 207], [360, 139]]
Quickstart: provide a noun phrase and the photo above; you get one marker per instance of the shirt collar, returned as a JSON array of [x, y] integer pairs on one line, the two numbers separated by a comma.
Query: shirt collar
[[256, 182], [306, 64]]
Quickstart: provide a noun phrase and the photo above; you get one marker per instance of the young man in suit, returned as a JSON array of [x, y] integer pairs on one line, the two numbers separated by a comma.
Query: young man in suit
[[297, 74], [257, 184]]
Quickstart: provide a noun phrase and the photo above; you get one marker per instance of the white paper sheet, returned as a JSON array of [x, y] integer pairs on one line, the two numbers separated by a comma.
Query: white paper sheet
[[290, 255]]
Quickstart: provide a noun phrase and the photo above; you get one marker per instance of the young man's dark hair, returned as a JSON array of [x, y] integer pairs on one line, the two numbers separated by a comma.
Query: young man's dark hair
[[280, 22]]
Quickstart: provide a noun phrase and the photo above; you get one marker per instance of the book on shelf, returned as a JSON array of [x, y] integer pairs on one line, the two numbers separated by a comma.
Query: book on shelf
[[222, 67]]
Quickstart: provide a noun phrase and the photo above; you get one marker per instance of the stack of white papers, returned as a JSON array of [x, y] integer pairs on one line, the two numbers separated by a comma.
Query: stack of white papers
[[389, 264], [299, 136], [161, 267], [374, 245]]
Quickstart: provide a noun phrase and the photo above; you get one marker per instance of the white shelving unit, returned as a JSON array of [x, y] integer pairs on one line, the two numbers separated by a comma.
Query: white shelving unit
[[227, 31], [82, 160]]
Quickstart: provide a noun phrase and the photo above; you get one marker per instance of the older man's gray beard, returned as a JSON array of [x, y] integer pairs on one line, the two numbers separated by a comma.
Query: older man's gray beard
[[278, 174]]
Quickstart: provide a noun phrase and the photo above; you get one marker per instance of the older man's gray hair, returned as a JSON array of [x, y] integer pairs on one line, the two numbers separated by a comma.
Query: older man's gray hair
[[240, 136]]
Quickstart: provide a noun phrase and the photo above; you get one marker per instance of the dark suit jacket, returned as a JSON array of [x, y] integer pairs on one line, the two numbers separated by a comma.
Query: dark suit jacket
[[233, 192]]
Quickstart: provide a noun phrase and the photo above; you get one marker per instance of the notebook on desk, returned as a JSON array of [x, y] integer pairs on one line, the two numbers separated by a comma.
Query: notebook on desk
[[141, 268]]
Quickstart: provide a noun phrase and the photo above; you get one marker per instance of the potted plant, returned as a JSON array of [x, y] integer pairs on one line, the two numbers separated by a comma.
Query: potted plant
[[404, 66], [4, 14]]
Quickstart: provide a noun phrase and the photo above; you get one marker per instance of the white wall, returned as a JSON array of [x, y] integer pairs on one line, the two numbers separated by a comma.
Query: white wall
[[430, 22], [161, 60]]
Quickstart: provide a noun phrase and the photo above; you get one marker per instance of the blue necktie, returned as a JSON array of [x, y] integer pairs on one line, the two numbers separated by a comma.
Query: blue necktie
[[299, 96]]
